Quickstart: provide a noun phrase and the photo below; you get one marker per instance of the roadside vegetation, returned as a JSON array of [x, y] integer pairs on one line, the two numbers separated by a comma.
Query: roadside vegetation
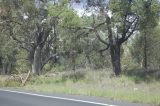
[[112, 50], [101, 83]]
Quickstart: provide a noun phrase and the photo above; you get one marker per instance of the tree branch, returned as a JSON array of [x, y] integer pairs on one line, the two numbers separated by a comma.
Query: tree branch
[[102, 50], [47, 60], [127, 33], [17, 40], [99, 38]]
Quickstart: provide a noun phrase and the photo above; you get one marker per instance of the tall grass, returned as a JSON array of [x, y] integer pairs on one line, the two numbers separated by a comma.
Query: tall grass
[[100, 83]]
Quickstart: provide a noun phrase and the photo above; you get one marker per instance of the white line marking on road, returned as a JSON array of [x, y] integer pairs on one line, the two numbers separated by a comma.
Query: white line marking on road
[[55, 97]]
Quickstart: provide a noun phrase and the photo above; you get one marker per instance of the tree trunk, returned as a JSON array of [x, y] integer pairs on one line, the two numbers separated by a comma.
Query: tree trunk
[[36, 66], [114, 49], [73, 60], [115, 59], [1, 66], [4, 70], [9, 68], [88, 59], [31, 57], [145, 64]]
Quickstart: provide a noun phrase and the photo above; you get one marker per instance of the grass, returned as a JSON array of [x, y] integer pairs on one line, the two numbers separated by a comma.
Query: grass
[[98, 83], [8, 81]]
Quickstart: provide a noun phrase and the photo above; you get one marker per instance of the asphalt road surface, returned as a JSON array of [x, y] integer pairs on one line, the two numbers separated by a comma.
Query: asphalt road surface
[[28, 98]]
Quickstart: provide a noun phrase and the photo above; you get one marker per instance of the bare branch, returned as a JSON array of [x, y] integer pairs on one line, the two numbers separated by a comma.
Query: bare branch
[[24, 80]]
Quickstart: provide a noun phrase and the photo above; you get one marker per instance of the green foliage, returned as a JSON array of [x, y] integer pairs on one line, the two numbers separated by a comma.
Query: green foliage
[[149, 14], [152, 48], [137, 48], [70, 19], [66, 37], [8, 51], [22, 64], [128, 62]]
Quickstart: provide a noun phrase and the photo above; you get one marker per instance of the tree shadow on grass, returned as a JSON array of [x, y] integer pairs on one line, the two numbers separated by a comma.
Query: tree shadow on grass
[[139, 75]]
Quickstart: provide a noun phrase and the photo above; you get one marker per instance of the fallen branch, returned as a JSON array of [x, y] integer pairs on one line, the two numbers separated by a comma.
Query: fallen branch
[[24, 80]]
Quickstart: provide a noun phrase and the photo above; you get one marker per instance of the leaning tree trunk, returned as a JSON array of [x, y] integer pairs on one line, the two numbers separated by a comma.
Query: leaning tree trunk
[[36, 66], [116, 59]]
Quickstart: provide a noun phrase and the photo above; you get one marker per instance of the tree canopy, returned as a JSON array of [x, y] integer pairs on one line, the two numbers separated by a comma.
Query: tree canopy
[[45, 33]]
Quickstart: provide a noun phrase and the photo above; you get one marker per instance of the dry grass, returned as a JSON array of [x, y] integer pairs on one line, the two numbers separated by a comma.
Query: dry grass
[[100, 83]]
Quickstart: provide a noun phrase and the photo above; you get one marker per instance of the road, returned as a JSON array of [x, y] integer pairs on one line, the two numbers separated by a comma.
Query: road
[[28, 98]]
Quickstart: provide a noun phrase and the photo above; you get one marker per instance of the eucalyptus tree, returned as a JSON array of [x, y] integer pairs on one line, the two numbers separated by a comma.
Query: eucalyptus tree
[[144, 40], [37, 26], [33, 26], [7, 53], [120, 27], [149, 20], [119, 20]]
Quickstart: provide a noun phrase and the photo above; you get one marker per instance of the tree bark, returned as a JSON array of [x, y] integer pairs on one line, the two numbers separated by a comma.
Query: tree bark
[[1, 66], [9, 68], [115, 59], [114, 49], [36, 66], [4, 70], [145, 64]]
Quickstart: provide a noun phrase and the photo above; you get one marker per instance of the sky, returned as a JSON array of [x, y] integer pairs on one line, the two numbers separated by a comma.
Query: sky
[[82, 9]]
